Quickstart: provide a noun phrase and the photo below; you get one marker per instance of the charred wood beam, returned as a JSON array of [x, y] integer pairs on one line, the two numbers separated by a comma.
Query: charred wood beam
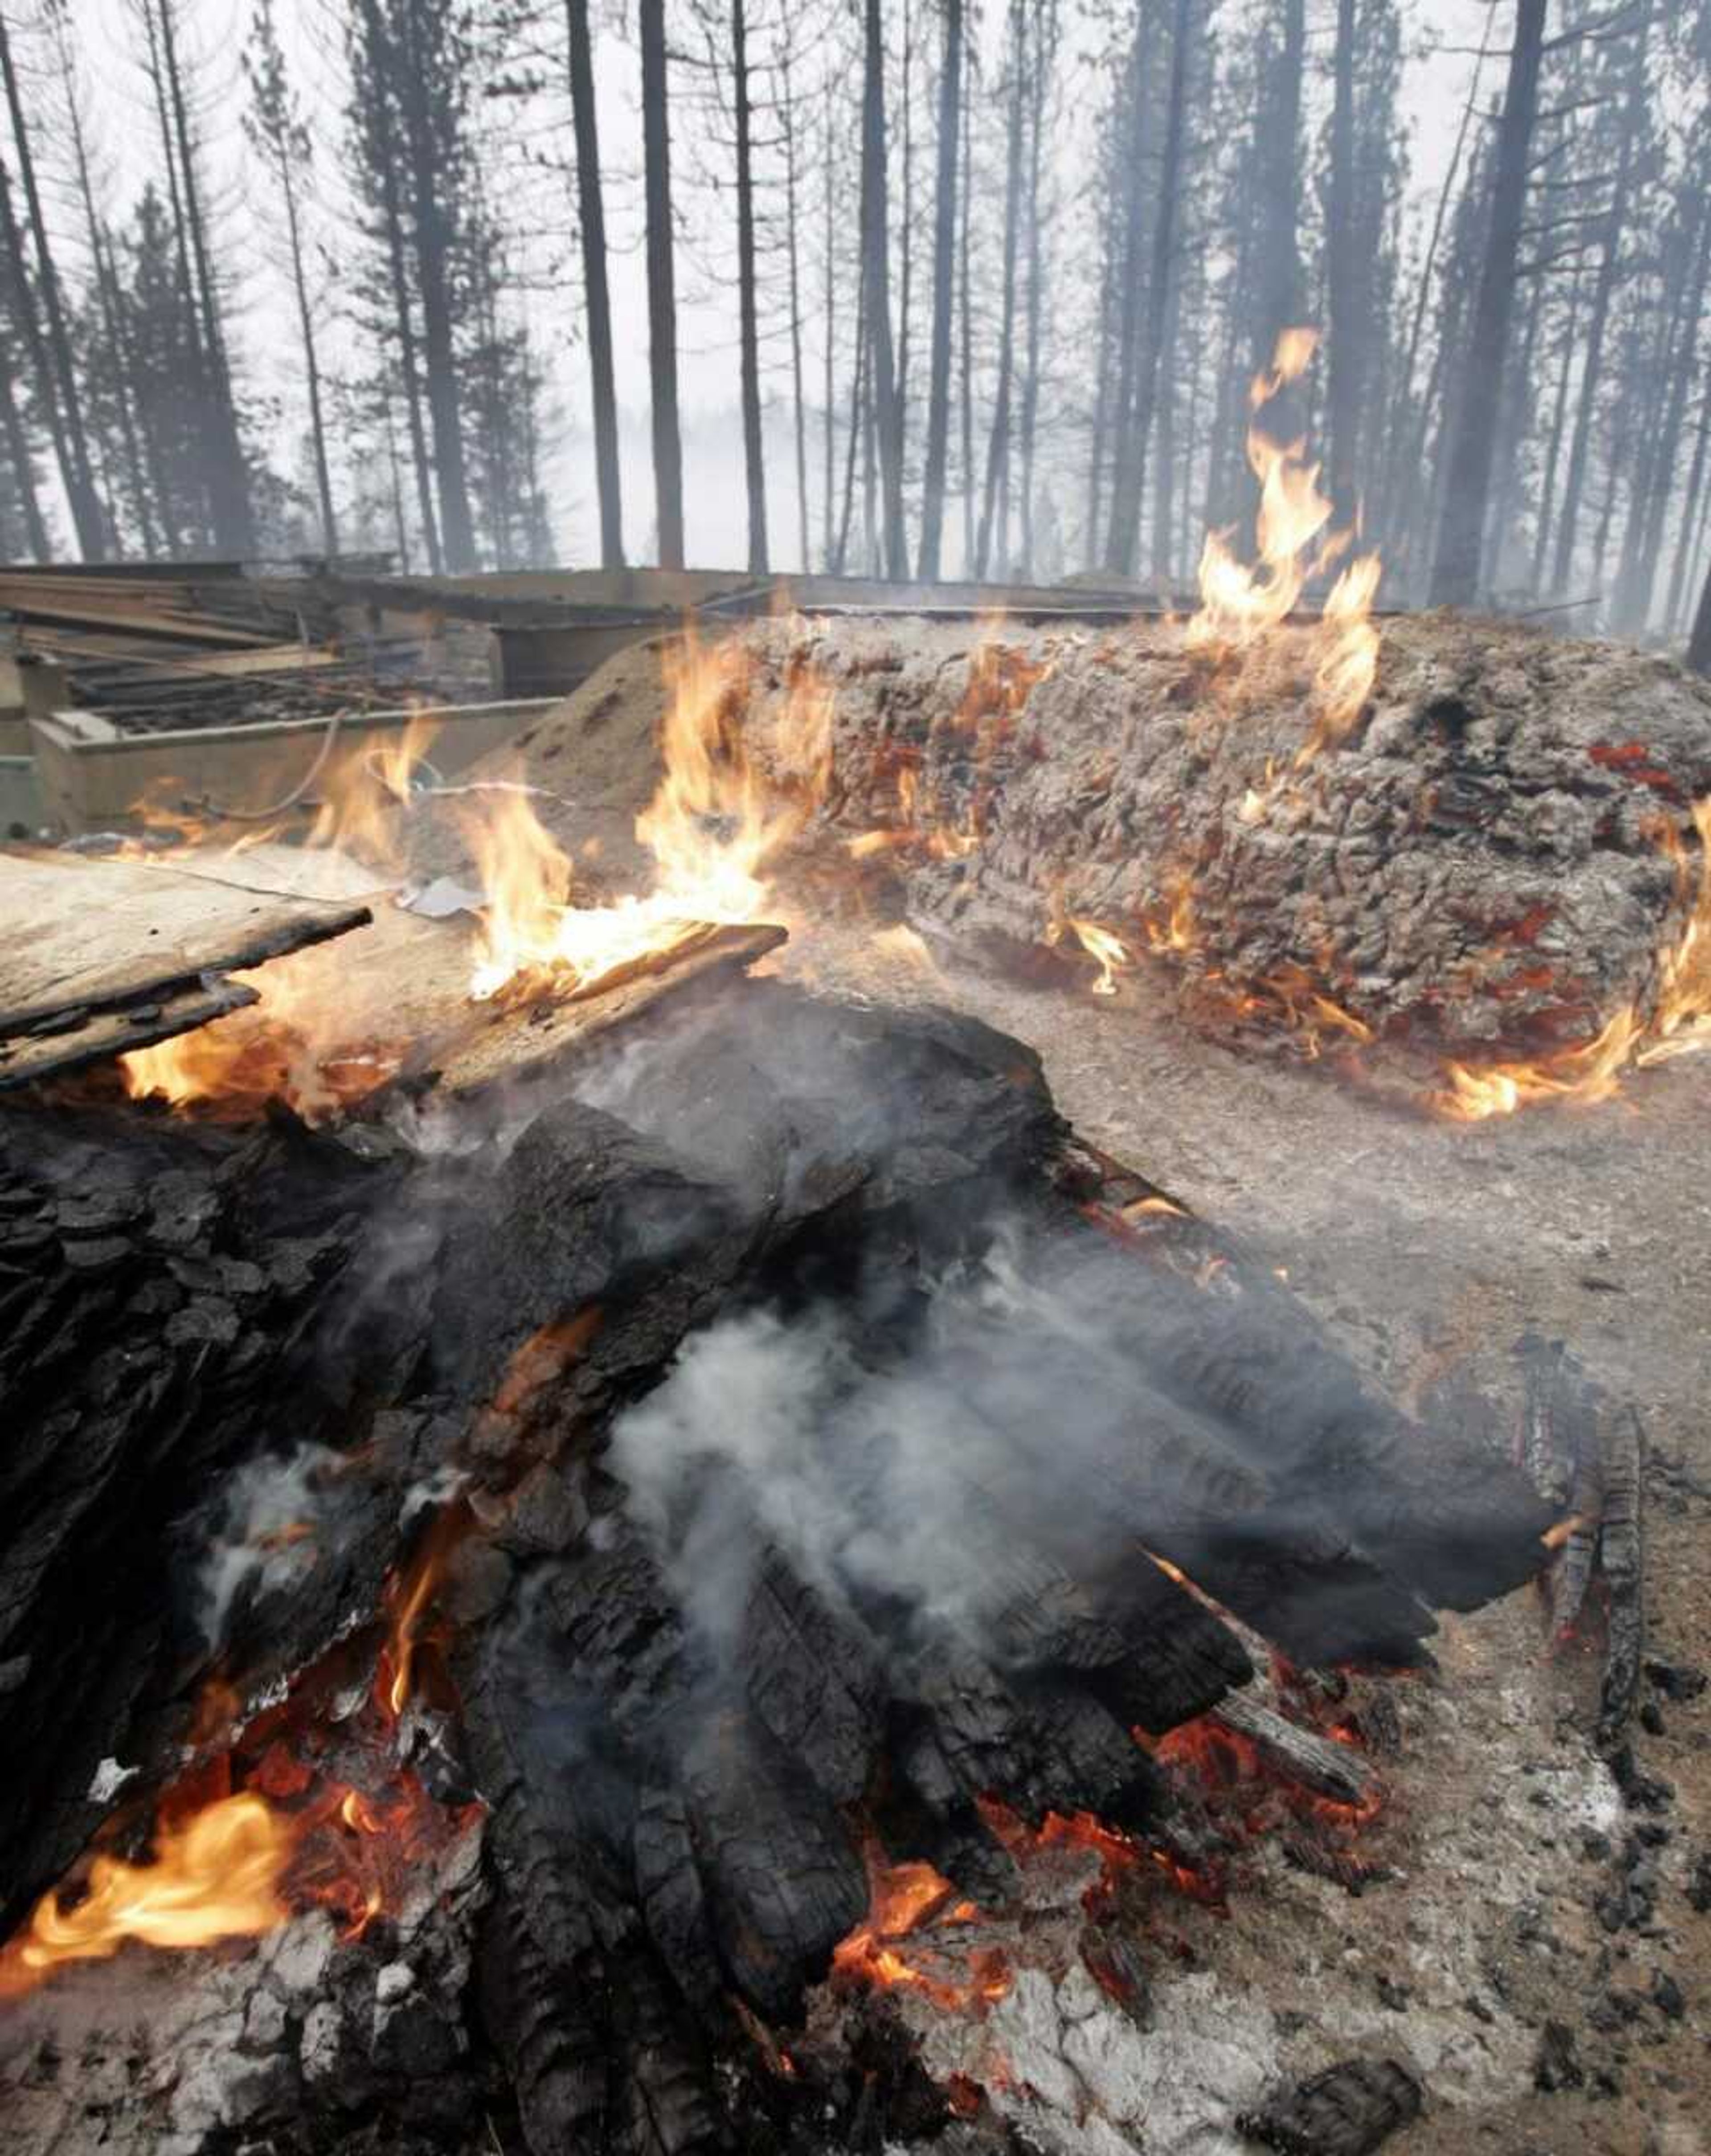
[[1328, 1769]]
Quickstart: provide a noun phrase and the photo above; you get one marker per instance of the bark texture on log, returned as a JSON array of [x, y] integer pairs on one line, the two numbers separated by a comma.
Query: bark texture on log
[[1480, 863]]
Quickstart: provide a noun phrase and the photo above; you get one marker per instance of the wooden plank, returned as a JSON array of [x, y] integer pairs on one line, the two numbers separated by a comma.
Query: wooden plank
[[89, 933], [131, 618], [26, 1058], [501, 1040]]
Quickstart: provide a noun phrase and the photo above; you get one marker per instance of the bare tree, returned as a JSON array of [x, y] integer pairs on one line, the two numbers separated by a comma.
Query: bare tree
[[748, 308], [662, 292], [591, 213], [1455, 567], [282, 138], [1136, 424], [944, 244], [875, 253], [998, 444], [230, 510], [59, 380]]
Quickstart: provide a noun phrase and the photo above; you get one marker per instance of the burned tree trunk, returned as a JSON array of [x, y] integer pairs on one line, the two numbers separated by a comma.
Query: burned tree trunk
[[885, 399], [1472, 434], [591, 213], [1482, 866], [944, 238], [662, 290], [748, 306]]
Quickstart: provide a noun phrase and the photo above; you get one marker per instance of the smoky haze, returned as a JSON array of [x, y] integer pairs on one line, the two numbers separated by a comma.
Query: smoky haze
[[908, 292]]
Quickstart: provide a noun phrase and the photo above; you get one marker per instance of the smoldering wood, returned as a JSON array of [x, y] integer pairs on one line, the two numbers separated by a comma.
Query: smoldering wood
[[1621, 1561], [1477, 868], [1587, 1453], [674, 1836], [1328, 1769]]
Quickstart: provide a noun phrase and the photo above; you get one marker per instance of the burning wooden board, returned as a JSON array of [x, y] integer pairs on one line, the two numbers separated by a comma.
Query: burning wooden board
[[111, 955], [511, 1037]]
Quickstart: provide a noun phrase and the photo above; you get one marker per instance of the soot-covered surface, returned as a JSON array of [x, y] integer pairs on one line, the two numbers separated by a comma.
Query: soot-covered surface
[[877, 1549]]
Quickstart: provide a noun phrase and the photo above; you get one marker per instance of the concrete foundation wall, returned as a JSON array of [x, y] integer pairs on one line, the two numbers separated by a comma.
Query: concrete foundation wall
[[90, 776]]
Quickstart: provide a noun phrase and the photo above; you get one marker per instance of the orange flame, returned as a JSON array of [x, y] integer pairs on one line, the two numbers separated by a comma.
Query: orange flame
[[218, 1877], [1108, 952], [289, 1046], [1240, 604], [361, 794], [714, 827], [1680, 1021]]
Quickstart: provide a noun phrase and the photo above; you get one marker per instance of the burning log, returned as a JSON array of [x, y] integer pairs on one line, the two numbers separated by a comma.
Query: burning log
[[801, 1421], [1501, 858], [1331, 1770]]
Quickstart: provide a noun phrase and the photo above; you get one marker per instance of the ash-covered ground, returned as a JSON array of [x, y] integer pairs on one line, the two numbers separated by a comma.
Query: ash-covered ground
[[1529, 1891]]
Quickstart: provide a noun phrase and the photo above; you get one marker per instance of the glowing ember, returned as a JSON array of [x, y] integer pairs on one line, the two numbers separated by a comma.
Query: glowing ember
[[912, 1902], [1233, 1775], [1680, 1020]]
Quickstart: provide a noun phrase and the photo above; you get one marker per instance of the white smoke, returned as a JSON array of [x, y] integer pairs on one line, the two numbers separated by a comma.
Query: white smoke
[[912, 1484], [265, 1532]]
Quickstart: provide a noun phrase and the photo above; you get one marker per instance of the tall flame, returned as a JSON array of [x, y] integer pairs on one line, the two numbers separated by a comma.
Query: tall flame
[[714, 827], [1239, 605]]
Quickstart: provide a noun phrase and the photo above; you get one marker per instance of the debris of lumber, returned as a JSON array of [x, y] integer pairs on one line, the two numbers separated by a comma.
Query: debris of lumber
[[1586, 1453], [170, 607], [96, 935], [1328, 1769], [77, 1038]]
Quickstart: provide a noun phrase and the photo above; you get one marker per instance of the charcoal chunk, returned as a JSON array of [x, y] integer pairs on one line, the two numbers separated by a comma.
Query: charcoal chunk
[[1558, 2066], [1347, 2110]]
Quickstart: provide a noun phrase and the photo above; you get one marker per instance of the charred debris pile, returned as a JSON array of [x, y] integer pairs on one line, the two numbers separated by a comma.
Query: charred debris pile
[[600, 1541]]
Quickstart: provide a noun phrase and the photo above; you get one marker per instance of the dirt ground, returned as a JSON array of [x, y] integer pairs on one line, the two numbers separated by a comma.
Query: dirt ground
[[1531, 1889]]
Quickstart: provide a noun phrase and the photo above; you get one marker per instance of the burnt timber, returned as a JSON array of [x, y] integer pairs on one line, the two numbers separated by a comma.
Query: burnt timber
[[255, 1290]]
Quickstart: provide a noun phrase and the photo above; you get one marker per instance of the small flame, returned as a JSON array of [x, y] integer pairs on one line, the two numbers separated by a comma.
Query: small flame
[[1173, 929], [1108, 952], [360, 794], [1680, 1021], [291, 1046]]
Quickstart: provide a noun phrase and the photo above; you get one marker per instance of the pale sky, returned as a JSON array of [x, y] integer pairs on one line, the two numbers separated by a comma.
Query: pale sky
[[1434, 97]]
